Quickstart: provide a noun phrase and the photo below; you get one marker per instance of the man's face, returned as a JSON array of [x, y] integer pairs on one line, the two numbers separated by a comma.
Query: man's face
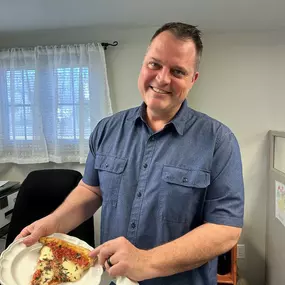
[[167, 74]]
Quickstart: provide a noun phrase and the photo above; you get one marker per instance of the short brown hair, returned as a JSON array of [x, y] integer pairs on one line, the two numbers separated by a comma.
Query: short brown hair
[[184, 32]]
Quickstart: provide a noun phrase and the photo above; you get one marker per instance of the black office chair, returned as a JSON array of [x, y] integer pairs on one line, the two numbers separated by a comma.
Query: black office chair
[[40, 194]]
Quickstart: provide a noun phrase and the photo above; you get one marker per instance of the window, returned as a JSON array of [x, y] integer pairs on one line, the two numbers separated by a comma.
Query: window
[[51, 98], [69, 83], [20, 89], [19, 85]]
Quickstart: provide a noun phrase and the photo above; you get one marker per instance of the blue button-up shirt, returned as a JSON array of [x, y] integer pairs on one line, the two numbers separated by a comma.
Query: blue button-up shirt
[[158, 186]]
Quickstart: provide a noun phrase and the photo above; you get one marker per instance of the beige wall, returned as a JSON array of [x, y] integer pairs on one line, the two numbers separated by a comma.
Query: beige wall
[[241, 84]]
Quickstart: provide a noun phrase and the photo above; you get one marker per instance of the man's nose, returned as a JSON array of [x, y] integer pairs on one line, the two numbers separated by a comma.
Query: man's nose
[[163, 76]]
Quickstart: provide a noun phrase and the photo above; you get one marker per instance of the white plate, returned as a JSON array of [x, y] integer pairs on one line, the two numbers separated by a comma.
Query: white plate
[[18, 263]]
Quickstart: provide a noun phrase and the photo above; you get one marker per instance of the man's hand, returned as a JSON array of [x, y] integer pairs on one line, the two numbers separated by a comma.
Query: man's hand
[[80, 204], [43, 227], [125, 258], [207, 241]]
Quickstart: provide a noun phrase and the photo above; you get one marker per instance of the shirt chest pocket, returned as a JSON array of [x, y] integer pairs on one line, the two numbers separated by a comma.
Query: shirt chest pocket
[[110, 171], [182, 193]]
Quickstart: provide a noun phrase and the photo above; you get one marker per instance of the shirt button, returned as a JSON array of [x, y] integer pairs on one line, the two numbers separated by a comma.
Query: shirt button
[[185, 179], [145, 165], [139, 194], [133, 225], [106, 165]]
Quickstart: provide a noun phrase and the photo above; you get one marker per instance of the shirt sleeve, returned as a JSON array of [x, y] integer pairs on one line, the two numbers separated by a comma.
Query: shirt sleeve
[[90, 176], [224, 203]]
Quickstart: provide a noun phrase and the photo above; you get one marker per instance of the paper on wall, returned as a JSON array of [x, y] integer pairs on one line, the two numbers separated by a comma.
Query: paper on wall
[[280, 202]]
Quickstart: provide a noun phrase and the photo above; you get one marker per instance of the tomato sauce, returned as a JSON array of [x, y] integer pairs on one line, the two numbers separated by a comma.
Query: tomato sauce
[[61, 252], [36, 276]]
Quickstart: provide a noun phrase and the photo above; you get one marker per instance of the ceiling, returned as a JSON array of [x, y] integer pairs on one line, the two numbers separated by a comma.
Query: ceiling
[[210, 15]]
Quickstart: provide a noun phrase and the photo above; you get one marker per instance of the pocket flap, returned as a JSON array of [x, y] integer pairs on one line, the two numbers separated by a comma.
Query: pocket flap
[[186, 177], [110, 163]]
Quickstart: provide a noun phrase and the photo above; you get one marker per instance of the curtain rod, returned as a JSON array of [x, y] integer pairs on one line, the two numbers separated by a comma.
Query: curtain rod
[[104, 45]]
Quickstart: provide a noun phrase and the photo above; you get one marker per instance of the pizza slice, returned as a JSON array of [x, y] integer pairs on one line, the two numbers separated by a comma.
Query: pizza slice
[[60, 261]]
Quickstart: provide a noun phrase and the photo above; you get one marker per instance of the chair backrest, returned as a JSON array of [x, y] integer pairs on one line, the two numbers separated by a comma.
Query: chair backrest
[[40, 194]]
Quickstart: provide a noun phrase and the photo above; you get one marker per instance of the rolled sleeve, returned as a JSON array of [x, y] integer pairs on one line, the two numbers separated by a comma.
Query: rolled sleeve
[[224, 202]]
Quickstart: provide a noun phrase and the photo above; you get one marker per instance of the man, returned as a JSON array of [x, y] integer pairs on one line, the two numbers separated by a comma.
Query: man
[[169, 179]]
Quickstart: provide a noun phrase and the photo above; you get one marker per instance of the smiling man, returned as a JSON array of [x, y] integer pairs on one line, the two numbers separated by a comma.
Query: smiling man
[[167, 75], [169, 178]]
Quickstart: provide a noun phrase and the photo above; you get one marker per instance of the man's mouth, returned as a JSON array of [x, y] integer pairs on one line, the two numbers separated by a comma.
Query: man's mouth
[[160, 91]]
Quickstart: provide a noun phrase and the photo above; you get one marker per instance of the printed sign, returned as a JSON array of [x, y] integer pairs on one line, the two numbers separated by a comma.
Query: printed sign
[[280, 202]]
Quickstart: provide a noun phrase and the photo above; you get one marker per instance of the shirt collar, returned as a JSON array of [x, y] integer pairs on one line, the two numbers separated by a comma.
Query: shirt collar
[[181, 118], [178, 121]]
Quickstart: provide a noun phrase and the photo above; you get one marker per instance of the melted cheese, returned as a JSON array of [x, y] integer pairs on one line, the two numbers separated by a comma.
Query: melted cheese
[[73, 271], [46, 254], [46, 273], [41, 265], [47, 276]]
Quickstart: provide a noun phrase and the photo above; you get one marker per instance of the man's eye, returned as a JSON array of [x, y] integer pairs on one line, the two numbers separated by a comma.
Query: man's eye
[[178, 72], [153, 65]]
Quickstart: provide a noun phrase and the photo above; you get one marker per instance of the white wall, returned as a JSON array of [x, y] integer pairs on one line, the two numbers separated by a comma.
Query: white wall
[[241, 84]]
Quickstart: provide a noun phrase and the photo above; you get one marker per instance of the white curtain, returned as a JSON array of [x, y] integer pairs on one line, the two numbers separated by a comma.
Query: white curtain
[[50, 100]]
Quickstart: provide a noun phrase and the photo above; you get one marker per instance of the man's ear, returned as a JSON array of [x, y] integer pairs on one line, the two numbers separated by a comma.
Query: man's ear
[[195, 77]]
